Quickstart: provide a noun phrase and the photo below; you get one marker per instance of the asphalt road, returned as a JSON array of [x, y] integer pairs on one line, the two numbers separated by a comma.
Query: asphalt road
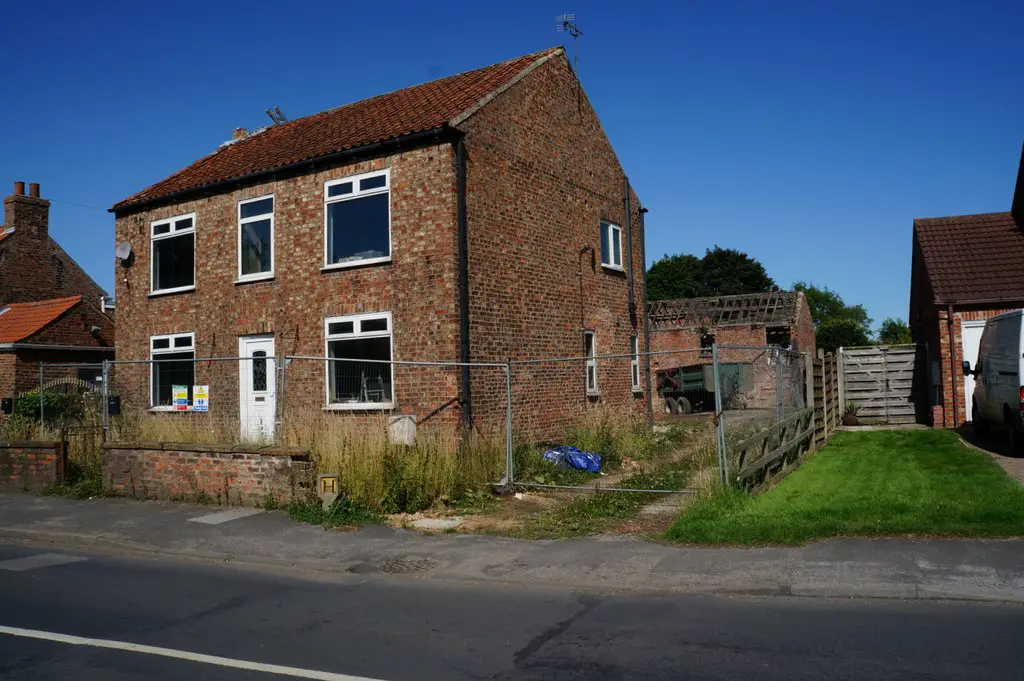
[[398, 629]]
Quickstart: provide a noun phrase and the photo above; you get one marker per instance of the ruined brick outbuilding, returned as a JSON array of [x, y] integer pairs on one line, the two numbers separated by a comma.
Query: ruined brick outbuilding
[[476, 218]]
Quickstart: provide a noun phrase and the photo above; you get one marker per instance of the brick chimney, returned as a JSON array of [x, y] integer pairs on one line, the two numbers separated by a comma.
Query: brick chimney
[[1017, 209], [28, 214], [239, 134]]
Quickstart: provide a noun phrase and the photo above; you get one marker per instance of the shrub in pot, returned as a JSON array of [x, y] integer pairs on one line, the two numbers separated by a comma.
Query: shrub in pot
[[850, 414]]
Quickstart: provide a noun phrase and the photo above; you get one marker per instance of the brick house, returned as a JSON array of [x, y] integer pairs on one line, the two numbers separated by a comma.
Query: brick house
[[964, 269], [778, 318], [50, 309], [475, 218]]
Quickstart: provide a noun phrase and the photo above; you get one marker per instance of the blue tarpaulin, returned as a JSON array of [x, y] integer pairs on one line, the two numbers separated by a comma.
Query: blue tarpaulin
[[563, 455]]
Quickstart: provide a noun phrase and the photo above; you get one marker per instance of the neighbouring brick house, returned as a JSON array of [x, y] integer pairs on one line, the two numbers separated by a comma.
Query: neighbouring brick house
[[693, 325], [50, 310], [964, 269], [476, 218]]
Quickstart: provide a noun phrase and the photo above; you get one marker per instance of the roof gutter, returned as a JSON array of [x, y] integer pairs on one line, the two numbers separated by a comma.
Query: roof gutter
[[980, 301], [376, 147], [8, 347]]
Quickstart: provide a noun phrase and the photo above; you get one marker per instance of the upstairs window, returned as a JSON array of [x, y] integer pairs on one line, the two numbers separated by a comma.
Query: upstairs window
[[611, 245], [357, 213], [173, 261], [173, 365], [590, 352], [256, 238], [364, 379]]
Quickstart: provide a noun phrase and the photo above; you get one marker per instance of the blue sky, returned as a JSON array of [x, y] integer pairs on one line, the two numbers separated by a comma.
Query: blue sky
[[807, 133]]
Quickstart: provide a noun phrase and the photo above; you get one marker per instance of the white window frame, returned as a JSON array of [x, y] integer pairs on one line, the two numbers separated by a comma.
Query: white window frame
[[610, 229], [256, 218], [153, 238], [634, 363], [357, 332], [170, 349], [591, 361], [357, 194]]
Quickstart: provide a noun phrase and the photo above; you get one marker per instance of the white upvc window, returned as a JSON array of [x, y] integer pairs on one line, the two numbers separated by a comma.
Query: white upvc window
[[256, 238], [359, 370], [173, 364], [611, 245], [173, 254], [590, 352], [634, 363], [357, 220]]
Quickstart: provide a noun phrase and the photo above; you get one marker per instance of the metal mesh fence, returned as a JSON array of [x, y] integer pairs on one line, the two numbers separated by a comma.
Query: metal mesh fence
[[366, 418], [763, 410]]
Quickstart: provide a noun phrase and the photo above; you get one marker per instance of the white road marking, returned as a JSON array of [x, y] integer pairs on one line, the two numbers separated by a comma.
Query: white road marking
[[182, 655], [225, 516], [38, 561]]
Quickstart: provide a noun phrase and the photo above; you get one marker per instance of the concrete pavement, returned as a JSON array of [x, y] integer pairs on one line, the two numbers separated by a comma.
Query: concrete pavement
[[84, 616], [870, 568]]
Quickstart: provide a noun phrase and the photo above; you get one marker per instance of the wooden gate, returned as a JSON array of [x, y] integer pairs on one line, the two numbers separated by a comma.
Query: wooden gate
[[887, 383]]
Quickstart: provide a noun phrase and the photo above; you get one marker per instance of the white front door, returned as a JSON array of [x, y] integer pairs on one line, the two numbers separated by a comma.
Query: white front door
[[971, 338], [257, 387]]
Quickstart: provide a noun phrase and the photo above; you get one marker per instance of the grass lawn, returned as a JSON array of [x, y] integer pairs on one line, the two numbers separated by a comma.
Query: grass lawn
[[921, 482]]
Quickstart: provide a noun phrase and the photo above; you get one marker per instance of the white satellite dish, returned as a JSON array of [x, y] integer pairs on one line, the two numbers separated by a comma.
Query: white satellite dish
[[123, 251]]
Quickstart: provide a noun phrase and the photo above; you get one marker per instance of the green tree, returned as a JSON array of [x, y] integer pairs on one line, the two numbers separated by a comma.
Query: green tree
[[675, 276], [833, 334], [826, 304], [720, 272], [894, 332]]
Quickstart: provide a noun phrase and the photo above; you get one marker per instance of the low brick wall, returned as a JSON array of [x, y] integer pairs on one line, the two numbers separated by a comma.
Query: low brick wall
[[31, 466], [225, 474]]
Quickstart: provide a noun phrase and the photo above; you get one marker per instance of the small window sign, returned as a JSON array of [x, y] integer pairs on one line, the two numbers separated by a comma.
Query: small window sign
[[200, 398], [180, 396]]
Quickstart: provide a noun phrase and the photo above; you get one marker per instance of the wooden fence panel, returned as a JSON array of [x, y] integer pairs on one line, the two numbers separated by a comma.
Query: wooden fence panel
[[884, 382], [827, 410]]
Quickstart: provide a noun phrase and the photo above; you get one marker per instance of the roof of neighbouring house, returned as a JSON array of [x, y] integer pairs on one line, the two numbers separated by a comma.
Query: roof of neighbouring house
[[973, 258], [19, 321], [419, 108], [777, 308]]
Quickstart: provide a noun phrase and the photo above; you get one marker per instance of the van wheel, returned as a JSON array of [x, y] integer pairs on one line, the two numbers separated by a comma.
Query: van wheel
[[670, 405], [981, 426], [1013, 436]]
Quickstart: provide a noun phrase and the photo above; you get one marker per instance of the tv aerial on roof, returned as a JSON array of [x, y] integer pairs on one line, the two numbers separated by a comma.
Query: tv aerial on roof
[[276, 115]]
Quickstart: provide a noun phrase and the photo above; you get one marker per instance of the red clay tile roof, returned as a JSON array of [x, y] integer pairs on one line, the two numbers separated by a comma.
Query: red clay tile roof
[[414, 109], [973, 258], [18, 321]]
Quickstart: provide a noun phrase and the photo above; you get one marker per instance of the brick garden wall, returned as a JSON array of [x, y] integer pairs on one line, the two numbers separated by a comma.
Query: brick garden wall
[[31, 466], [228, 475]]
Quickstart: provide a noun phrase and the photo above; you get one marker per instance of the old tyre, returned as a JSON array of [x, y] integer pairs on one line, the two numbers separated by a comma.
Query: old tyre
[[683, 406], [670, 405]]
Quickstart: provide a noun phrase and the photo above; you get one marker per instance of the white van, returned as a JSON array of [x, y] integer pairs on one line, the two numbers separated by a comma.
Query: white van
[[998, 396]]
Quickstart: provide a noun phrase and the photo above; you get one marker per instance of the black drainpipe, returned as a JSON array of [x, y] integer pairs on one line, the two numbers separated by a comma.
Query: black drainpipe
[[647, 328], [629, 249], [463, 236], [460, 181]]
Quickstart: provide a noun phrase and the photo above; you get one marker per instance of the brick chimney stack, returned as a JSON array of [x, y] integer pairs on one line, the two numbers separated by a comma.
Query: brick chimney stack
[[1017, 209], [239, 134], [28, 214]]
